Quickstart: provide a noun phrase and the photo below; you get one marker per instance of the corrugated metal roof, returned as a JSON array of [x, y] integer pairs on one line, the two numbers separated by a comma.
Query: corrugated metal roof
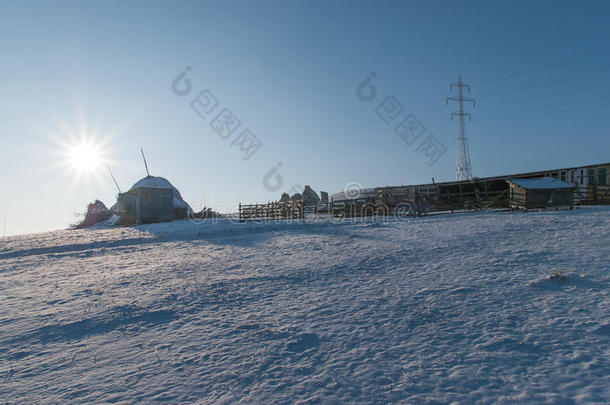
[[545, 183]]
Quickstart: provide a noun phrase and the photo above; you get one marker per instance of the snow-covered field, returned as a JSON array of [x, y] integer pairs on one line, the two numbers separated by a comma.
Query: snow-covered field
[[454, 308]]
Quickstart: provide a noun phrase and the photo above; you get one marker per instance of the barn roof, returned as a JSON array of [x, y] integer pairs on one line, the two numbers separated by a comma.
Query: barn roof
[[543, 183]]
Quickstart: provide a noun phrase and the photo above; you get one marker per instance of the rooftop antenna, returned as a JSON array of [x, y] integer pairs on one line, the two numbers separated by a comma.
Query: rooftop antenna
[[113, 179], [145, 164]]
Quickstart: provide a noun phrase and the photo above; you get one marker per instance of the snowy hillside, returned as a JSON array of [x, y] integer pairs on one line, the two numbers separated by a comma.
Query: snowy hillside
[[453, 308]]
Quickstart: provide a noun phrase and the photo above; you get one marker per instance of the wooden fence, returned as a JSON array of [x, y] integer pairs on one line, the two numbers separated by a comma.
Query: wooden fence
[[271, 211]]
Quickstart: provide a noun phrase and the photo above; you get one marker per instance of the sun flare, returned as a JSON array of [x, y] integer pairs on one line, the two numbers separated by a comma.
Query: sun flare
[[81, 152], [85, 156]]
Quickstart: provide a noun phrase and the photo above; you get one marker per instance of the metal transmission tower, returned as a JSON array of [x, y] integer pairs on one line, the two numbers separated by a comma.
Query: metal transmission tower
[[463, 168]]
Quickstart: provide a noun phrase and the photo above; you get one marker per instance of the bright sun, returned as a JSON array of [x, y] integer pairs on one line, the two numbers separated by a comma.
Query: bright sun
[[81, 152], [85, 156]]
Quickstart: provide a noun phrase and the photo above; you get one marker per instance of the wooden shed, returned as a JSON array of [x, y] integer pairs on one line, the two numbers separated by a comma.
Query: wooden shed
[[148, 204], [153, 199], [540, 193]]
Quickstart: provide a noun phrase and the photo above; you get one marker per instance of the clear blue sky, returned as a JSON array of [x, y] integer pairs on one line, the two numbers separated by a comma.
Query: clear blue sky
[[289, 71]]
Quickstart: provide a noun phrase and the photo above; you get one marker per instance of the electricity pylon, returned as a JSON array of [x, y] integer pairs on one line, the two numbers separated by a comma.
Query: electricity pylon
[[463, 168]]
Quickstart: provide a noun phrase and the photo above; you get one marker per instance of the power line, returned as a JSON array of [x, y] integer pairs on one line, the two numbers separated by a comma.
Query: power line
[[571, 110], [542, 96], [561, 62], [594, 100], [536, 83]]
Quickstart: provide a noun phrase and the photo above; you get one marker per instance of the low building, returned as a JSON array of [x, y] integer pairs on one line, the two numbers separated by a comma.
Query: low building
[[540, 193], [146, 204], [153, 199]]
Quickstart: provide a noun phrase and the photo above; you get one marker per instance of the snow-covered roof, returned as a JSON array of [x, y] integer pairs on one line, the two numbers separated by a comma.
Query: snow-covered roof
[[547, 183], [353, 194], [152, 182]]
